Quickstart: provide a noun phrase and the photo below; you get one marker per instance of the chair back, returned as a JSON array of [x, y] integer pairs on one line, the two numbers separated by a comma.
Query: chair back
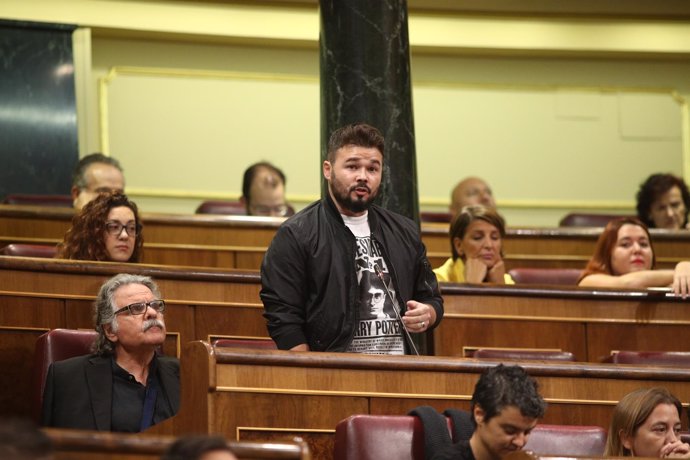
[[230, 208], [256, 344], [60, 201], [358, 437], [429, 216], [659, 358], [576, 219], [523, 355], [567, 440], [52, 346], [563, 276], [29, 250]]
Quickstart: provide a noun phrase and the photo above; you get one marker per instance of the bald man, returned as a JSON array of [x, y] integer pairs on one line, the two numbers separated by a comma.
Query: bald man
[[471, 191], [263, 191]]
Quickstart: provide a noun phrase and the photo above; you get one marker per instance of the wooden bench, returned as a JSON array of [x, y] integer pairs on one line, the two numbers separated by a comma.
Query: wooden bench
[[95, 445], [208, 240], [587, 322], [257, 394]]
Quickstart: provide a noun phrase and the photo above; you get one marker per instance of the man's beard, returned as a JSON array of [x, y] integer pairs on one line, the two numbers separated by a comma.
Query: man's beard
[[344, 197]]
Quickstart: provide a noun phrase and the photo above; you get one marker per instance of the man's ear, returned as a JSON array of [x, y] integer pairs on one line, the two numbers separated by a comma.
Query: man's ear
[[74, 192], [478, 414], [108, 331], [327, 168]]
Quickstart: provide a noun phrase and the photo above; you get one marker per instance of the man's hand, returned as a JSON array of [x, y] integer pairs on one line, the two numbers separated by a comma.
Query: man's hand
[[419, 316]]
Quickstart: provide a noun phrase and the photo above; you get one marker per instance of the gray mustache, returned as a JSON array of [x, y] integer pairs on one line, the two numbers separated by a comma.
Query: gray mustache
[[149, 323]]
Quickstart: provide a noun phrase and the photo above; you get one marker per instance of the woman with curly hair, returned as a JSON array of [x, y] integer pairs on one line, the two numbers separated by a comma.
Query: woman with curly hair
[[107, 229], [663, 201]]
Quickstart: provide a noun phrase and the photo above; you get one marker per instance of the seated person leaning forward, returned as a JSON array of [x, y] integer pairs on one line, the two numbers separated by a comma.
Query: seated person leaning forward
[[646, 423], [124, 386], [313, 274], [663, 201], [476, 242], [624, 258], [108, 228], [506, 406]]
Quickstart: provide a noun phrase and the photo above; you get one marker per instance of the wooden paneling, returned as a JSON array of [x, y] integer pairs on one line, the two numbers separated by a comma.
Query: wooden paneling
[[588, 323], [309, 391], [240, 241]]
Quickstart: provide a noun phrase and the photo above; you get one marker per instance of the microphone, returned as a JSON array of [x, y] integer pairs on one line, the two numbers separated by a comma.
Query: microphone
[[396, 307]]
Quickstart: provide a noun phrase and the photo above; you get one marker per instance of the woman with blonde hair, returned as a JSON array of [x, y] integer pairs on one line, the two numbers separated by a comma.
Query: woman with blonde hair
[[646, 423]]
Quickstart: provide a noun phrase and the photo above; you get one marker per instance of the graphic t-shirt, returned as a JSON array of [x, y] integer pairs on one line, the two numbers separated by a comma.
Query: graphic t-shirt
[[377, 331]]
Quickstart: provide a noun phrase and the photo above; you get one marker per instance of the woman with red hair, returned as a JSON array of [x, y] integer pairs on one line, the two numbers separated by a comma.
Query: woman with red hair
[[624, 258], [107, 229]]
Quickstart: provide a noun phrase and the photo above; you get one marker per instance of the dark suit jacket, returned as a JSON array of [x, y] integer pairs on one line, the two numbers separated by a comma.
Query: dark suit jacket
[[78, 391]]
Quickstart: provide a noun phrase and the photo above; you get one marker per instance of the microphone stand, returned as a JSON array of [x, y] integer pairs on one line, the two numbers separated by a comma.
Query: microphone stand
[[396, 308]]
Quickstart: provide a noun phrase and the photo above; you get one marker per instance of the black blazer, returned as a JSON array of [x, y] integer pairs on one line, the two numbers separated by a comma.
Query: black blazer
[[78, 391]]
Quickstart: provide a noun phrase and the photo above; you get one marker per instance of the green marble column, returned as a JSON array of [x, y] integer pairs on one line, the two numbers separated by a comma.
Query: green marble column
[[365, 76]]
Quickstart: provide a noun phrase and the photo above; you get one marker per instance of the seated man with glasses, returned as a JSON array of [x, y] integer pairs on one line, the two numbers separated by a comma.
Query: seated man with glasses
[[125, 385], [263, 191]]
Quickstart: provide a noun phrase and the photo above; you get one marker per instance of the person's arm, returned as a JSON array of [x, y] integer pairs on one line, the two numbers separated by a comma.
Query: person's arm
[[678, 279], [475, 270], [427, 303], [284, 281], [497, 273], [640, 280]]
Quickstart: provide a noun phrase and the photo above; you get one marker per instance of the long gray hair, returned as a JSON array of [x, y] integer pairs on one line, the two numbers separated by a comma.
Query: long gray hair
[[104, 307]]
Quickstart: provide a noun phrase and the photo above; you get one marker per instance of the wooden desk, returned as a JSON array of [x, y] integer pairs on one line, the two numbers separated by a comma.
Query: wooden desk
[[255, 394], [587, 322], [218, 241], [95, 445]]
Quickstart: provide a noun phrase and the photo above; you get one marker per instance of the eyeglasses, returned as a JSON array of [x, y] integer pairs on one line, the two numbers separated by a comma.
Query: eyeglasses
[[140, 307], [280, 210], [114, 228]]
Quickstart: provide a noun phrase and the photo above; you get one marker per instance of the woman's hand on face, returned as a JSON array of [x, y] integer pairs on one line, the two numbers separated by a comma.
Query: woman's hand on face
[[497, 273], [681, 279], [675, 449], [475, 270]]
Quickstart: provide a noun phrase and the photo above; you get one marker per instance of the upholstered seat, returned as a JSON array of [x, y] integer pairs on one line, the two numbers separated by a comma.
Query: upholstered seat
[[522, 355], [29, 250], [576, 219], [62, 201], [655, 358], [262, 344], [232, 208], [429, 216], [373, 437], [52, 346], [562, 276]]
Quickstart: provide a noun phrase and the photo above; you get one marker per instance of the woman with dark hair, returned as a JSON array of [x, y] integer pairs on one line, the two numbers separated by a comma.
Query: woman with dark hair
[[624, 257], [476, 242], [107, 229], [663, 201], [646, 423]]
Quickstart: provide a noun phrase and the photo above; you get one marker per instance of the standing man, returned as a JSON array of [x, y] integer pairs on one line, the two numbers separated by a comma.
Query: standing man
[[263, 191], [471, 191], [312, 273], [124, 386], [94, 174], [506, 406]]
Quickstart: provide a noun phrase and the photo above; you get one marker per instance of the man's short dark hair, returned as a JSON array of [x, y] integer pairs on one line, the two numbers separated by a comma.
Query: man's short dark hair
[[503, 386], [78, 175], [194, 447], [250, 173], [359, 134]]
